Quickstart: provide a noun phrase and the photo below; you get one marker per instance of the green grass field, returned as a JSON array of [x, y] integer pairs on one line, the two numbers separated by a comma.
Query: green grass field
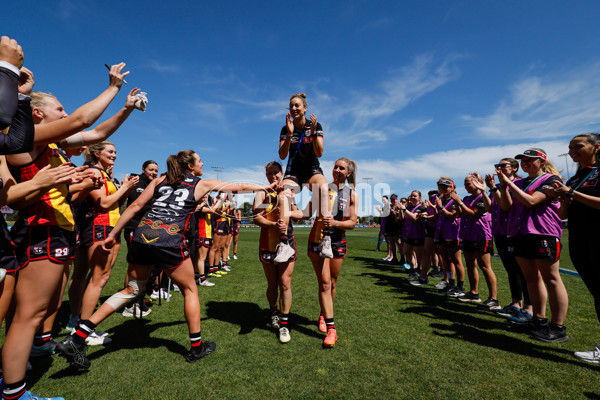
[[395, 341]]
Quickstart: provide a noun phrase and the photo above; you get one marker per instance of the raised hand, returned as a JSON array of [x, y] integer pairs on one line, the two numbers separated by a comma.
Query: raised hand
[[490, 181], [11, 52], [26, 81], [478, 184], [289, 122], [131, 99], [116, 75], [313, 125]]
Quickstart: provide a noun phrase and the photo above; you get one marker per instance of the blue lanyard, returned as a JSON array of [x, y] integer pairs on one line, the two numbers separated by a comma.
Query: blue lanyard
[[586, 178]]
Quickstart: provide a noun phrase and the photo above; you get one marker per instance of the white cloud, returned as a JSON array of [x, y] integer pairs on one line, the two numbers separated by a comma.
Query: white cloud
[[155, 65], [560, 104]]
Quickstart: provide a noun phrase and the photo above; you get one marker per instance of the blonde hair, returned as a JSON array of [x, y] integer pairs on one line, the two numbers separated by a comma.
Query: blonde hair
[[89, 152], [547, 166], [40, 99], [301, 96], [351, 168], [178, 166], [475, 175]]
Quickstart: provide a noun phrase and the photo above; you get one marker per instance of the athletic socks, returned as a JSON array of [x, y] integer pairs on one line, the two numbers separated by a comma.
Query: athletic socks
[[196, 341], [330, 324], [283, 238], [451, 282], [14, 390], [274, 310], [83, 331], [461, 285], [42, 338], [202, 277], [283, 320]]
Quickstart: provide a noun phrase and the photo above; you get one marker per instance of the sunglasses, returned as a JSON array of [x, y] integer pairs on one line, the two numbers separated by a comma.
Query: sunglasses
[[502, 165]]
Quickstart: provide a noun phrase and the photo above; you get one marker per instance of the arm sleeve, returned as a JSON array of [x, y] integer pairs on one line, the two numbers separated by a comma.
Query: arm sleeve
[[9, 87], [19, 138]]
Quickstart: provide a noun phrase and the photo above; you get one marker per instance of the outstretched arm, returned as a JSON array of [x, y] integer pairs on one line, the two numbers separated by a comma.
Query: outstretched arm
[[105, 129], [85, 115]]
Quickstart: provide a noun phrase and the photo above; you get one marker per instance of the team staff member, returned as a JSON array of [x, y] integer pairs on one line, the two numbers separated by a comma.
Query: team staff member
[[301, 140], [534, 231], [476, 233], [267, 214], [149, 173], [343, 205], [580, 203], [44, 234], [161, 242]]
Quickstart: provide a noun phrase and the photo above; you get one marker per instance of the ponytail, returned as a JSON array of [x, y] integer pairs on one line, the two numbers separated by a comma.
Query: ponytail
[[178, 165]]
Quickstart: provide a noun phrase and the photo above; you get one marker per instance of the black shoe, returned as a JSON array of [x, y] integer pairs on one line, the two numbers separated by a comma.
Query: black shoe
[[552, 333], [205, 349], [73, 352]]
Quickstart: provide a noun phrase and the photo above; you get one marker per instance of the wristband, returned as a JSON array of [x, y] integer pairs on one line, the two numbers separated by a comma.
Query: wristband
[[494, 189], [570, 193]]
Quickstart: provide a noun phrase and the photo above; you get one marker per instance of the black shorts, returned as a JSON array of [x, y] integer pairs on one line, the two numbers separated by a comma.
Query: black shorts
[[267, 257], [35, 243], [450, 243], [472, 246], [339, 248], [160, 257], [302, 177], [429, 231], [8, 257], [222, 228], [535, 247], [204, 242], [91, 234], [414, 242], [235, 228]]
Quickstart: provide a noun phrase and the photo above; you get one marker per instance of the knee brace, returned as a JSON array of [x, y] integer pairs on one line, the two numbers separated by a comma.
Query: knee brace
[[119, 299]]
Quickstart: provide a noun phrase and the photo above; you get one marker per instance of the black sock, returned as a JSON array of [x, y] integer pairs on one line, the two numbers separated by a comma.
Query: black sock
[[283, 238], [461, 285], [330, 324], [83, 331], [202, 277], [196, 341], [283, 322], [42, 338], [14, 390], [451, 282], [274, 310]]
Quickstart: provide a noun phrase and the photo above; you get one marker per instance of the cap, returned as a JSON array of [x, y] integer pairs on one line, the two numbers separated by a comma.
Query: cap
[[445, 182], [532, 153]]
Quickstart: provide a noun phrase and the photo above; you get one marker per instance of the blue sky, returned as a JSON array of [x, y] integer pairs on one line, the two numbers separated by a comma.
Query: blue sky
[[411, 90]]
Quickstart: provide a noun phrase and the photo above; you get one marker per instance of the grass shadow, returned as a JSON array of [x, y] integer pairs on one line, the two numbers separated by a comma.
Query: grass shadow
[[250, 316], [124, 340]]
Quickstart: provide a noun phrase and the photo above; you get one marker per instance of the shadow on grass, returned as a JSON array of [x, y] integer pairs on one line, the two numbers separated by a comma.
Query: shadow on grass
[[131, 334], [464, 321], [378, 264], [250, 316], [593, 396]]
